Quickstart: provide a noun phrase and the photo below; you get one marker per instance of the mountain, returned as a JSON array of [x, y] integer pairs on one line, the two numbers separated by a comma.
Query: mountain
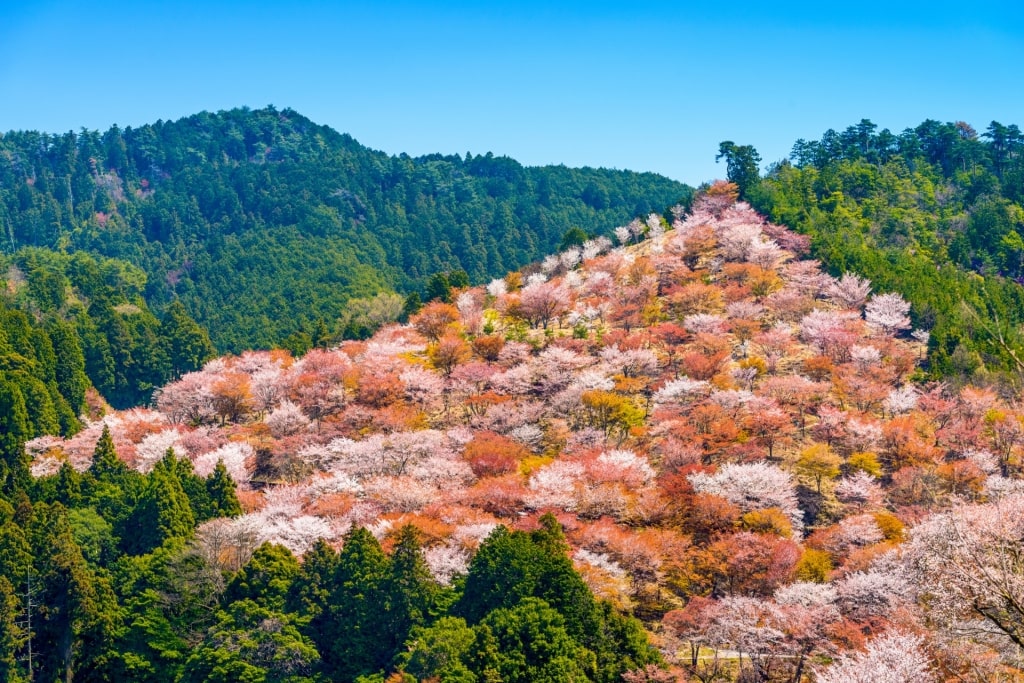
[[701, 430], [263, 223]]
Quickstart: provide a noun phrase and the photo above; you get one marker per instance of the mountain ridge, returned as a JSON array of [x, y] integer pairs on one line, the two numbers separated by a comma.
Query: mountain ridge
[[183, 199]]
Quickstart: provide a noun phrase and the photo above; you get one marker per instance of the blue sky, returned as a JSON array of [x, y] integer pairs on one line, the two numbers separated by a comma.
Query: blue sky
[[648, 86]]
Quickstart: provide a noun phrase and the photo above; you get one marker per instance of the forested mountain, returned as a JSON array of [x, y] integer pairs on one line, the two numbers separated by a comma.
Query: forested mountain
[[698, 431], [262, 222], [934, 213]]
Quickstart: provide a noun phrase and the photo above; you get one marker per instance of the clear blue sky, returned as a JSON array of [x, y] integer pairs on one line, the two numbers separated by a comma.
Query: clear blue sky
[[648, 86]]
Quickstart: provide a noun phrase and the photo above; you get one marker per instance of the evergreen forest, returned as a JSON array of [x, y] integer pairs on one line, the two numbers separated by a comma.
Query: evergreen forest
[[265, 224]]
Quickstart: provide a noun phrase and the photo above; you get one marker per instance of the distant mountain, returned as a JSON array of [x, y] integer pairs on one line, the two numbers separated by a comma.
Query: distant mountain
[[263, 222]]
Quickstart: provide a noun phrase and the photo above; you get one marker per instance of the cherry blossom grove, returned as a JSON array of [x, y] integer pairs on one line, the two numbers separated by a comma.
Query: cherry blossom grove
[[738, 445]]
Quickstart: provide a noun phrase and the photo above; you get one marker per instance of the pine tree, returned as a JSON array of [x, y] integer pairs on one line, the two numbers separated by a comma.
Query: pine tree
[[410, 590], [68, 486], [186, 344], [220, 491], [163, 511], [69, 364], [106, 467], [14, 431], [81, 613], [265, 579], [355, 640], [310, 592], [12, 636]]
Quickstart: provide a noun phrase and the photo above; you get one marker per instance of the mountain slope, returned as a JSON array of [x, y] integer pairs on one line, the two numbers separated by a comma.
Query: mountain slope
[[731, 439], [935, 213], [262, 222]]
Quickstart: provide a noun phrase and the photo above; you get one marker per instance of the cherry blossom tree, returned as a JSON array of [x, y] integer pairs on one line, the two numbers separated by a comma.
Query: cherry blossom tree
[[892, 657], [849, 292], [888, 312], [543, 302], [287, 419], [753, 486], [970, 566], [235, 456]]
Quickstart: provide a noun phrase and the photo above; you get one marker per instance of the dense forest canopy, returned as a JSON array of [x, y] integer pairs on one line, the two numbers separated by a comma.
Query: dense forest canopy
[[262, 222], [934, 212]]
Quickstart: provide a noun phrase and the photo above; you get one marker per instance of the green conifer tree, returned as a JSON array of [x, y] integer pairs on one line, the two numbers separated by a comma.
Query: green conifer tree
[[186, 344], [14, 431], [355, 641], [74, 631], [106, 466], [266, 578], [220, 492], [163, 511]]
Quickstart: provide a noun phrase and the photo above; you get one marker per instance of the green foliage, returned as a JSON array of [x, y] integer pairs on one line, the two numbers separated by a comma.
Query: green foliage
[[12, 636], [14, 431], [100, 331], [74, 631], [512, 567], [220, 493], [253, 644], [442, 650], [261, 222], [356, 639], [573, 237], [186, 344], [266, 577], [741, 165], [531, 644], [163, 512], [106, 467], [934, 214]]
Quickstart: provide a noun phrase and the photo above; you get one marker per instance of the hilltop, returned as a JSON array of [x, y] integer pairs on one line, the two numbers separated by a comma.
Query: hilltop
[[265, 224]]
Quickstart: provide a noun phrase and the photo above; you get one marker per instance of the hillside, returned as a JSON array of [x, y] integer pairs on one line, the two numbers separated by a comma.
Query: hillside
[[934, 213], [731, 441], [263, 223]]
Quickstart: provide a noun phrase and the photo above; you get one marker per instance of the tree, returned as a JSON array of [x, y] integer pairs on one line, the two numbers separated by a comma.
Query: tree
[[410, 591], [265, 579], [251, 644], [971, 569], [449, 351], [892, 657], [163, 511], [220, 489], [72, 633], [356, 640], [310, 592], [741, 165], [819, 462], [14, 431], [12, 636], [187, 345], [533, 644], [573, 237], [439, 288], [434, 319], [888, 312], [753, 486], [70, 364], [442, 651], [542, 302]]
